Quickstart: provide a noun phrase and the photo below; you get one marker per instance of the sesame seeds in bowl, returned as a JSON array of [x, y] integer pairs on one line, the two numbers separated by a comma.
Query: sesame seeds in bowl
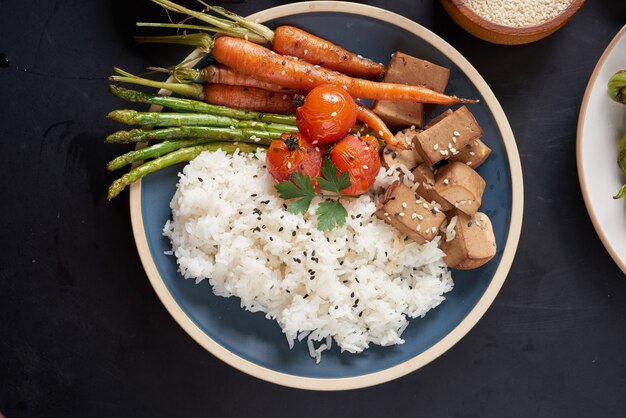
[[511, 22]]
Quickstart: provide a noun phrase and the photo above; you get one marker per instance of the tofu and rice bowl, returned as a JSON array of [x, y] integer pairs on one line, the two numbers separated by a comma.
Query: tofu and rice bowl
[[354, 285], [327, 222]]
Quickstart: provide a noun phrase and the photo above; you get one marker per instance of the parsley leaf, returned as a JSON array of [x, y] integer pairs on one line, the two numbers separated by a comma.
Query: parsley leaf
[[621, 193], [302, 188], [330, 214], [330, 181]]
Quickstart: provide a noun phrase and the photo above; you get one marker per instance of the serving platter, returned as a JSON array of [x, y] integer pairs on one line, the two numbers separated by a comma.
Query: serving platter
[[255, 345], [601, 123]]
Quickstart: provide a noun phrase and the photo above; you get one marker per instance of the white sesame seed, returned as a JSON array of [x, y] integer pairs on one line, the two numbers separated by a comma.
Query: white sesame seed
[[333, 114], [316, 66], [367, 148], [288, 164], [454, 139], [404, 205], [317, 149], [418, 201], [420, 217], [418, 227], [472, 153], [315, 142], [477, 223], [453, 151], [469, 163], [449, 145], [446, 181], [425, 205], [345, 87], [365, 167], [386, 213], [443, 152], [306, 51], [435, 147], [283, 72], [413, 215], [401, 213], [456, 133], [380, 133]]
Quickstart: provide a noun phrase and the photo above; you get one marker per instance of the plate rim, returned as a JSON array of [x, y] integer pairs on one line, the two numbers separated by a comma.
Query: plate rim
[[579, 150], [457, 333]]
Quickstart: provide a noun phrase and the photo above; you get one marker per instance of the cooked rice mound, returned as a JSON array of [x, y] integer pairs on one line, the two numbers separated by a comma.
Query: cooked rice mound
[[358, 284]]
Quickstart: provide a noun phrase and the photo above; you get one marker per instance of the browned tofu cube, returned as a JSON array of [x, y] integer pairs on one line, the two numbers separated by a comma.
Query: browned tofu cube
[[461, 186], [438, 118], [473, 154], [406, 136], [405, 69], [473, 244], [410, 214], [393, 156], [446, 138], [425, 178]]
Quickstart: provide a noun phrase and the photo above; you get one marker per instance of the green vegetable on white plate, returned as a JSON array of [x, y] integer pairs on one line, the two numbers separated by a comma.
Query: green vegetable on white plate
[[617, 92]]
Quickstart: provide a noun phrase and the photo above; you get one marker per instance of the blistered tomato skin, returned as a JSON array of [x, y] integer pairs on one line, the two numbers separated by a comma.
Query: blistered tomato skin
[[359, 157], [327, 115], [291, 153]]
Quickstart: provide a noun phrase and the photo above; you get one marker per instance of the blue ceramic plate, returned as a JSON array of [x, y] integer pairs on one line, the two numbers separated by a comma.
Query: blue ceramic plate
[[256, 345]]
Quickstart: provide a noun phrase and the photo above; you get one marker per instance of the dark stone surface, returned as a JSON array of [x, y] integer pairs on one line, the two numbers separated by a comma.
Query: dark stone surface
[[83, 334]]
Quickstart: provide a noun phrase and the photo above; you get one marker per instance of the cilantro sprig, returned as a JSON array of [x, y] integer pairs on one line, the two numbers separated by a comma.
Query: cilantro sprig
[[331, 212]]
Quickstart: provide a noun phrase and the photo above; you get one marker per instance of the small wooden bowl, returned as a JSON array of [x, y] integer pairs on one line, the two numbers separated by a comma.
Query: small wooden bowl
[[506, 35]]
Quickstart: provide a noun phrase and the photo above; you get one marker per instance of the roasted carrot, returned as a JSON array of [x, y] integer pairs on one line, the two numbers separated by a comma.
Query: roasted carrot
[[220, 74], [376, 124], [285, 40], [250, 98], [263, 64], [298, 43]]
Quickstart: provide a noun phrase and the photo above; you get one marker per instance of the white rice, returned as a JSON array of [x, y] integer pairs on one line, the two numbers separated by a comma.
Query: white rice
[[358, 284]]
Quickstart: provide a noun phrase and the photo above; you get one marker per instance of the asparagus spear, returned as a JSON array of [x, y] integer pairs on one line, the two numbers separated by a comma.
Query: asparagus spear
[[199, 107], [180, 156], [133, 117], [617, 87], [184, 132], [165, 147]]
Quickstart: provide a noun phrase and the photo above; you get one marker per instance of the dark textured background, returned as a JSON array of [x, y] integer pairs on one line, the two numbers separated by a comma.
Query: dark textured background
[[82, 333]]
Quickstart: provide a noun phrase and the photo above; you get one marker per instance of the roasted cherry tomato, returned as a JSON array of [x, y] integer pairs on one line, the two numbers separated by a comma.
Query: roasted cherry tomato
[[328, 113], [359, 157], [290, 153]]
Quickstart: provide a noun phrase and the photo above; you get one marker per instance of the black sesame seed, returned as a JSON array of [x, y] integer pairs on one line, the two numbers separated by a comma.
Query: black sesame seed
[[305, 296], [352, 294], [469, 224], [433, 211], [293, 234], [271, 239], [253, 195], [257, 229], [308, 234], [200, 179], [360, 314], [305, 254], [341, 263], [313, 253], [280, 229]]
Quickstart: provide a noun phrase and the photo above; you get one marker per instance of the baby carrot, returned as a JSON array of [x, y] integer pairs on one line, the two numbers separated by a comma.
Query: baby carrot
[[298, 43], [250, 98], [263, 64], [376, 124], [220, 74]]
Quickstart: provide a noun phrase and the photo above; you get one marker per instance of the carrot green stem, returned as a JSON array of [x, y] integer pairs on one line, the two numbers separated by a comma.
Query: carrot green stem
[[194, 91]]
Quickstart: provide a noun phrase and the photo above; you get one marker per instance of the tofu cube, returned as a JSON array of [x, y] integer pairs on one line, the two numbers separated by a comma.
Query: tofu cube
[[473, 154], [446, 138], [405, 69], [394, 157], [410, 213], [473, 245], [425, 178], [438, 118], [461, 186]]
